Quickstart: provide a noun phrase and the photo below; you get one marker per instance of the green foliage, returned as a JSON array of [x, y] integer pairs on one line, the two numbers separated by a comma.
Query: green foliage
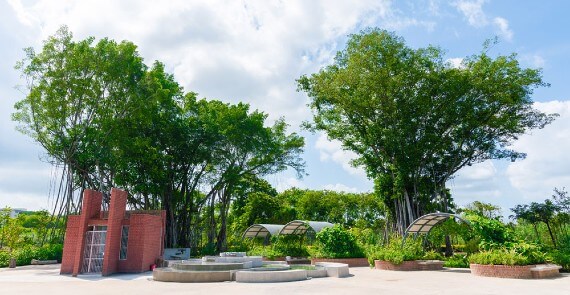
[[498, 257], [457, 261], [561, 258], [395, 252], [519, 253], [4, 258], [336, 242], [289, 245], [432, 255], [26, 253], [414, 120], [490, 230]]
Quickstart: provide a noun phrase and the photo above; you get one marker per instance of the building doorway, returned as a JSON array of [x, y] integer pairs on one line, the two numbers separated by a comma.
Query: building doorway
[[94, 249]]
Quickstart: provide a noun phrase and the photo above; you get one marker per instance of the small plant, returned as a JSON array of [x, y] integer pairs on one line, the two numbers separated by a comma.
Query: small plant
[[432, 255]]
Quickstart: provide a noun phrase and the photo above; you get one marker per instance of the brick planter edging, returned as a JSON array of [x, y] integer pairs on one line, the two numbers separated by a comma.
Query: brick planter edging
[[409, 265], [502, 271], [352, 262], [515, 271]]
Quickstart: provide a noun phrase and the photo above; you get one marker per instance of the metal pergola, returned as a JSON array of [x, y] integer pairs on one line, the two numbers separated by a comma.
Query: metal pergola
[[300, 227], [424, 224], [262, 230]]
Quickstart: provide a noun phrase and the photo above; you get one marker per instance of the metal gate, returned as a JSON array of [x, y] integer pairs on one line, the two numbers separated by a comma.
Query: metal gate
[[94, 249]]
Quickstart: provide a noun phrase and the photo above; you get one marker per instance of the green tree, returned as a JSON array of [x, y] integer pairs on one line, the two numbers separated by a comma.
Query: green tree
[[77, 91], [414, 120]]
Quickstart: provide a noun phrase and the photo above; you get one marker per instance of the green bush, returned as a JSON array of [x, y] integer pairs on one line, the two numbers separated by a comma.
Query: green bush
[[561, 258], [289, 245], [25, 254], [4, 258], [457, 260], [265, 251], [395, 252], [432, 255], [510, 254], [336, 242]]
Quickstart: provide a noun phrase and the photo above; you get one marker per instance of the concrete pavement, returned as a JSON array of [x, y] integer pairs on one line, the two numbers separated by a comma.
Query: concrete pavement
[[46, 280]]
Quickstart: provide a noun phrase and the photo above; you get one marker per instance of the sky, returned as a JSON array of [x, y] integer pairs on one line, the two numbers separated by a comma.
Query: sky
[[252, 51]]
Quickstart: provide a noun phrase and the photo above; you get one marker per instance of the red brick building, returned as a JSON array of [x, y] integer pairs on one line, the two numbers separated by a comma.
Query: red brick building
[[111, 241]]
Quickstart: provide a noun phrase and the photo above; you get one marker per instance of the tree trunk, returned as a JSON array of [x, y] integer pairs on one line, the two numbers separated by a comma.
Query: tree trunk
[[536, 232], [448, 247], [551, 235]]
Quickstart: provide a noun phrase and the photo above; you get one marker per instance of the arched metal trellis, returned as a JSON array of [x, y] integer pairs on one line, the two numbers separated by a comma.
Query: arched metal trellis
[[424, 224]]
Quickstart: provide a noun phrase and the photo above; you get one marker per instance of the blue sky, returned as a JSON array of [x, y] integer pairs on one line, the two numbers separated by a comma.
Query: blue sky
[[253, 51]]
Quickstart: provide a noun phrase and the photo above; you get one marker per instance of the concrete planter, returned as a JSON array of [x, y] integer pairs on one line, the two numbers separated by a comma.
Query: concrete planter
[[409, 265], [352, 262]]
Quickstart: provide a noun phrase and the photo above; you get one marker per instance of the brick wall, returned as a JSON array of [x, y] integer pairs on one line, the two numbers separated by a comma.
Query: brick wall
[[404, 266], [502, 271], [91, 208], [146, 235], [69, 244], [117, 209]]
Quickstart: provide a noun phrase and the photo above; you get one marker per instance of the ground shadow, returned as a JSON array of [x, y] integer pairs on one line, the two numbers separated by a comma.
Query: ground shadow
[[457, 270]]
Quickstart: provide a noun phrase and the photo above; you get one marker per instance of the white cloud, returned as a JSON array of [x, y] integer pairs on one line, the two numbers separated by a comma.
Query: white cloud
[[534, 60], [455, 62], [339, 187], [503, 28], [283, 184], [473, 11], [333, 151], [546, 165]]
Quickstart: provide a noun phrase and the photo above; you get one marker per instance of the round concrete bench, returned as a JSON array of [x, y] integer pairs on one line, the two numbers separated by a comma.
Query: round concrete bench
[[180, 276], [209, 266], [260, 276], [333, 269]]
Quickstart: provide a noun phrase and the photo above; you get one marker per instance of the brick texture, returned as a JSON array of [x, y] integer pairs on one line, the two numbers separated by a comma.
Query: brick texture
[[502, 271], [145, 241]]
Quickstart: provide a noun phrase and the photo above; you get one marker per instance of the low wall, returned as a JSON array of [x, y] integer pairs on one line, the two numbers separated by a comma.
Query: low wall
[[352, 262], [502, 271], [515, 271], [246, 276], [167, 275], [409, 265]]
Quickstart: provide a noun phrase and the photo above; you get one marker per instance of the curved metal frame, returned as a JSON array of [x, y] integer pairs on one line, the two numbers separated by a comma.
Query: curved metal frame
[[429, 224], [300, 227], [262, 230]]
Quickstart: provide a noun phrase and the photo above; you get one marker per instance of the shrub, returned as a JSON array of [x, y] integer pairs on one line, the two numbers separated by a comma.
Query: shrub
[[25, 254], [561, 258], [289, 245], [395, 252], [432, 255], [520, 253], [336, 242], [457, 260], [4, 258]]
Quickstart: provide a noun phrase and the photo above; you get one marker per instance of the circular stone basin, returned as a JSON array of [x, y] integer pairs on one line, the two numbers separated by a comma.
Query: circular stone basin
[[271, 267], [207, 266], [173, 275]]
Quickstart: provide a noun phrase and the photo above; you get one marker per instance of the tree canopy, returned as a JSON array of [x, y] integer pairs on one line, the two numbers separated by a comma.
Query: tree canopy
[[107, 119], [414, 120]]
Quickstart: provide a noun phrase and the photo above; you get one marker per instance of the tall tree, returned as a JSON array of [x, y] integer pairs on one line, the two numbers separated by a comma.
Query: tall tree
[[76, 92], [414, 120]]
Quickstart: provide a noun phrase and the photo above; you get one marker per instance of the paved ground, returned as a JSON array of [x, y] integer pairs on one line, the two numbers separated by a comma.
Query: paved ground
[[46, 280]]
